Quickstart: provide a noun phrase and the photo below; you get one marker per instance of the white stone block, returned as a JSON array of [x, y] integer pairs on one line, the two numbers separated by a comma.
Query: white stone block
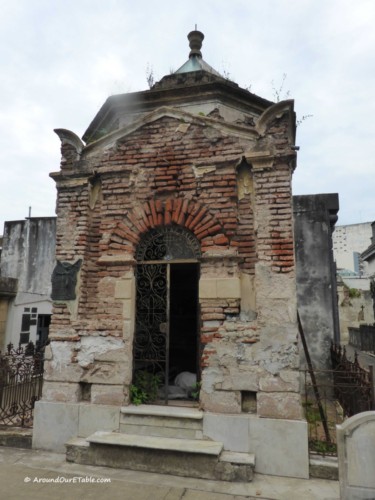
[[207, 288], [285, 405], [222, 288], [231, 430], [124, 288], [54, 424], [107, 394], [93, 418], [228, 288], [127, 309], [280, 447]]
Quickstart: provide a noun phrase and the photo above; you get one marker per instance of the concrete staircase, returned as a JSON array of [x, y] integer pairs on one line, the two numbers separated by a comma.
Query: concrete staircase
[[162, 439]]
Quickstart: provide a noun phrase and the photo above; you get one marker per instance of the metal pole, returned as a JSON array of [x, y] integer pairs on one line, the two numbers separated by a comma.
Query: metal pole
[[167, 332], [372, 395], [313, 380]]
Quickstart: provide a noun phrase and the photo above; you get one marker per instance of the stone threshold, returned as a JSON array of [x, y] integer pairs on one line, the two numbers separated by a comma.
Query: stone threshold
[[238, 458], [324, 467], [199, 446], [162, 411]]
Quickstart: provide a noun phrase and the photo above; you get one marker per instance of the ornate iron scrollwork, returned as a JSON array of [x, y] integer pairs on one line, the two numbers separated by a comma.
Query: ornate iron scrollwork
[[150, 337], [168, 243]]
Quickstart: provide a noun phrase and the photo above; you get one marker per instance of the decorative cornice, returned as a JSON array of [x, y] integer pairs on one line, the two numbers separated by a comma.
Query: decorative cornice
[[166, 111], [260, 160]]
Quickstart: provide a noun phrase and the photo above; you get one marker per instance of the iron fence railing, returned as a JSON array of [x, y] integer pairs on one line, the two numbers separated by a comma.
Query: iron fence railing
[[21, 379], [322, 414], [363, 338], [353, 385], [344, 391]]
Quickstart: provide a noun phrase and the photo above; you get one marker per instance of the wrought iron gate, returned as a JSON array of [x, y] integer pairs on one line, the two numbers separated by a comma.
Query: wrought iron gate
[[158, 249], [21, 380], [152, 322]]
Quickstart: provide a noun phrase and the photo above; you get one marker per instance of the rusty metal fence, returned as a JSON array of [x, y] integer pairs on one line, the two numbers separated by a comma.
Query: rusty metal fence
[[353, 385], [21, 380], [363, 338], [344, 391]]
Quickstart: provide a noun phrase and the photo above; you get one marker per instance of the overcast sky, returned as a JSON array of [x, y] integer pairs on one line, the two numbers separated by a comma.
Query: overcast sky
[[61, 59]]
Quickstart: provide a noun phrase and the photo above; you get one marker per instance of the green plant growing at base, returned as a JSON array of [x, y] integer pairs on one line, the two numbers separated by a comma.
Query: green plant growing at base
[[137, 396], [354, 293], [323, 447], [312, 414], [145, 387], [194, 394]]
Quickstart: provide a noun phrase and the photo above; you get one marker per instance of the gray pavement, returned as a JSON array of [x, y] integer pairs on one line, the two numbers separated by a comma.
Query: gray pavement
[[36, 474]]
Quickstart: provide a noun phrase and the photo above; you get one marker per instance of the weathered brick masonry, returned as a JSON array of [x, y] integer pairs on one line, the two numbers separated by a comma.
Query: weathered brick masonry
[[225, 180]]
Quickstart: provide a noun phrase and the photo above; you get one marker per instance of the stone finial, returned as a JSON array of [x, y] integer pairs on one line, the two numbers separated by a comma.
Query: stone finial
[[195, 43]]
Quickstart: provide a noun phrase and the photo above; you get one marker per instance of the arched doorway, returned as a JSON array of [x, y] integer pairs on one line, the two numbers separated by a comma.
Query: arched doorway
[[166, 341]]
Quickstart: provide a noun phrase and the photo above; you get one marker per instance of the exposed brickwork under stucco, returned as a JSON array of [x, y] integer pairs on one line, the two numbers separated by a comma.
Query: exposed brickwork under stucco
[[229, 185]]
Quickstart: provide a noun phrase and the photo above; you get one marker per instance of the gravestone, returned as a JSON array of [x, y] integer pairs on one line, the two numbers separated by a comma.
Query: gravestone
[[356, 454]]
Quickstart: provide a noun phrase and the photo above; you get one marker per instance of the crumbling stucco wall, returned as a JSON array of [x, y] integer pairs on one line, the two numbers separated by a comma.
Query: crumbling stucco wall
[[230, 186]]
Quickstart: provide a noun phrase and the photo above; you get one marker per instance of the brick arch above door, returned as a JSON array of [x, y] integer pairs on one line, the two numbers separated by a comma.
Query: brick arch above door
[[155, 213]]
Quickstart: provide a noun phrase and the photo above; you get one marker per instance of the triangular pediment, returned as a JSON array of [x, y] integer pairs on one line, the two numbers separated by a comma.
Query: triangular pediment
[[257, 131], [183, 117]]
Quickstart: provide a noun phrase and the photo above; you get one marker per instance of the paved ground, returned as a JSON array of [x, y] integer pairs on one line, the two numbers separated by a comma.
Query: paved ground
[[35, 474]]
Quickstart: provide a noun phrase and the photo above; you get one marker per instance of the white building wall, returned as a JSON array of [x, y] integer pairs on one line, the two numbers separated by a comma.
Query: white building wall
[[28, 255], [348, 240], [17, 309]]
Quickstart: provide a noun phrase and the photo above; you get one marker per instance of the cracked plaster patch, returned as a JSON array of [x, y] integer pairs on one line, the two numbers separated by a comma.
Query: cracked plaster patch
[[91, 346]]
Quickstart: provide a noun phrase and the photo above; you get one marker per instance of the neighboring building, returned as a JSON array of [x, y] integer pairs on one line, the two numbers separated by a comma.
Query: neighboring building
[[349, 241], [368, 255], [353, 257], [175, 253], [26, 264], [355, 307], [314, 222]]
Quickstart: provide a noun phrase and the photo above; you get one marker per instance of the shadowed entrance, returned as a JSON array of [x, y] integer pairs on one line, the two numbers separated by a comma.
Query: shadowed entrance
[[166, 336]]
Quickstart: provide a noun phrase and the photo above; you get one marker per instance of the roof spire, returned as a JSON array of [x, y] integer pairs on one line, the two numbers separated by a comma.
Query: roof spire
[[195, 61], [195, 43]]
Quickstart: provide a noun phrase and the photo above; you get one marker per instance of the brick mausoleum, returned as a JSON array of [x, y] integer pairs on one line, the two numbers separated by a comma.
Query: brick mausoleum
[[175, 255]]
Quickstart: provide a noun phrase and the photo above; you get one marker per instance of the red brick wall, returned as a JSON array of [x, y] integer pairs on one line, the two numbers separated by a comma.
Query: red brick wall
[[149, 178]]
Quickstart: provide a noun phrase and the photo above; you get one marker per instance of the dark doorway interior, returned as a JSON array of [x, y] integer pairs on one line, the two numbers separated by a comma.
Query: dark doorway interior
[[183, 341], [167, 325]]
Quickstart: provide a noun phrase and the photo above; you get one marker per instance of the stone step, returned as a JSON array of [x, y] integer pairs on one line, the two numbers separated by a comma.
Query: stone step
[[324, 467], [163, 411], [199, 458], [162, 421], [202, 446]]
